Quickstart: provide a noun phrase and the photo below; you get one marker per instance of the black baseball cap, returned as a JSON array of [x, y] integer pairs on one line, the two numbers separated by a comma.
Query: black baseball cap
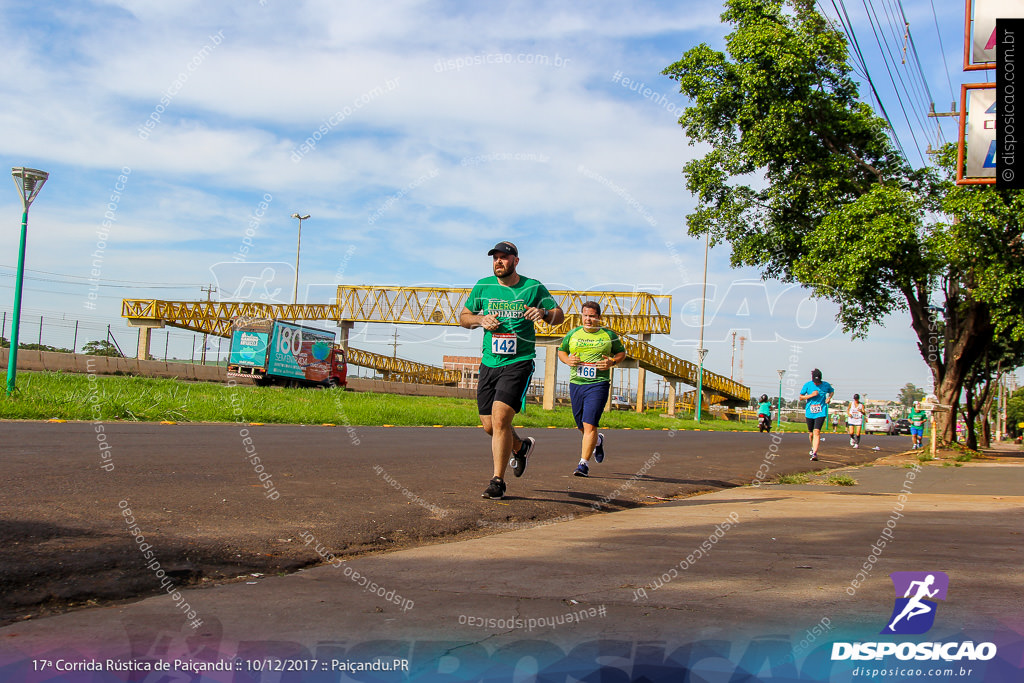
[[505, 247], [815, 374]]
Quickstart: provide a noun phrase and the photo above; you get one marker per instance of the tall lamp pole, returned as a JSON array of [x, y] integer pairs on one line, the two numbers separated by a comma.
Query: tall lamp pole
[[700, 379], [781, 373], [701, 351], [30, 182], [298, 247]]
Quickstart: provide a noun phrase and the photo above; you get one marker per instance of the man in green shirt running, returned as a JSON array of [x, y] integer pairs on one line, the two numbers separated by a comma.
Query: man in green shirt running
[[917, 419], [591, 351], [506, 305]]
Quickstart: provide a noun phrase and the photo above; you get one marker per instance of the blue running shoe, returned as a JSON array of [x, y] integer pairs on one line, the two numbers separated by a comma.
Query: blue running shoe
[[582, 470], [599, 449]]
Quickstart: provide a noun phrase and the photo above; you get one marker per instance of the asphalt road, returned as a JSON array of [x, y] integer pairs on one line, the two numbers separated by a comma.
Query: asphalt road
[[212, 512]]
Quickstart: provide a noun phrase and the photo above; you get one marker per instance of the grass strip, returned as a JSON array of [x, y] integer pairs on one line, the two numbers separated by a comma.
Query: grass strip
[[73, 396]]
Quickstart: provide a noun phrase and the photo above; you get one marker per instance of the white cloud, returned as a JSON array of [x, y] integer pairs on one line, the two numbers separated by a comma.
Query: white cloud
[[465, 123]]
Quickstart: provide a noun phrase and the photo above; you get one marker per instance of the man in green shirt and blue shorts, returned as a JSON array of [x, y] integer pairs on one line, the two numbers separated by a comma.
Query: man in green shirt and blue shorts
[[506, 305], [917, 420], [591, 351]]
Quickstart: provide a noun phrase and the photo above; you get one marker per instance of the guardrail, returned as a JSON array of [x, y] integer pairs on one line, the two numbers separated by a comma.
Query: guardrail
[[401, 370], [673, 368]]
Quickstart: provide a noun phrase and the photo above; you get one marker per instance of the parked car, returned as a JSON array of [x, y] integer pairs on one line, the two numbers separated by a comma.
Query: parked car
[[880, 423], [902, 427], [620, 403]]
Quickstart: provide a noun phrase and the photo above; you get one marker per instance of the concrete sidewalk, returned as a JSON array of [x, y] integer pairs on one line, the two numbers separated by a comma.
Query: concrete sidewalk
[[803, 564]]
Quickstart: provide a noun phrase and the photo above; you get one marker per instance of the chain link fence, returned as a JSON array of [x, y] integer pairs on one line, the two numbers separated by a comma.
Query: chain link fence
[[57, 332]]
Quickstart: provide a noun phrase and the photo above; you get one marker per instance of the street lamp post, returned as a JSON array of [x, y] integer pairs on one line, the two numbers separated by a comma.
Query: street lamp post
[[701, 351], [298, 247], [30, 182], [700, 379], [781, 373]]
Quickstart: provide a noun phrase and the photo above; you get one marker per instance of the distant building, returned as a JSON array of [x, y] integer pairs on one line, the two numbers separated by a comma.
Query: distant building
[[470, 367]]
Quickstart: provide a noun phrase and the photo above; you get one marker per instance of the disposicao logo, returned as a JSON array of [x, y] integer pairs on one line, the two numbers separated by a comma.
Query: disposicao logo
[[913, 613]]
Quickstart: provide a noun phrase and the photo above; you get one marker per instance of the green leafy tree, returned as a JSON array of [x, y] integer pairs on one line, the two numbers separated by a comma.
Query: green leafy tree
[[803, 182], [909, 394], [100, 347], [1015, 412], [981, 385], [43, 347]]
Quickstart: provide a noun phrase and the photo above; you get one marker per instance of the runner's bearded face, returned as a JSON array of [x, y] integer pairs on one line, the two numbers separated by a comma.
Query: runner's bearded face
[[504, 264]]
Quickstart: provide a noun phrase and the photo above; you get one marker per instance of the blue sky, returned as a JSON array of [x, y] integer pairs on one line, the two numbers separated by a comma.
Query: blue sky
[[416, 135]]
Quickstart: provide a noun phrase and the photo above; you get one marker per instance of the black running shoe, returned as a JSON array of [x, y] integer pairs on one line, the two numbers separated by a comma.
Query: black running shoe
[[582, 470], [518, 460], [599, 449], [495, 490]]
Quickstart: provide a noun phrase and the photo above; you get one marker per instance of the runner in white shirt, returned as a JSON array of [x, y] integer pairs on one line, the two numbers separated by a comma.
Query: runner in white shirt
[[855, 420]]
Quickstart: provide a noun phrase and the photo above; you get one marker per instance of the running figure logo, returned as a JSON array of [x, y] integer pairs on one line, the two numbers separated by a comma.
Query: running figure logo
[[914, 613]]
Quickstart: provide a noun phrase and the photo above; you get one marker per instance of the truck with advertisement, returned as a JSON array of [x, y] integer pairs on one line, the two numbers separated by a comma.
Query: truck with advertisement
[[278, 352]]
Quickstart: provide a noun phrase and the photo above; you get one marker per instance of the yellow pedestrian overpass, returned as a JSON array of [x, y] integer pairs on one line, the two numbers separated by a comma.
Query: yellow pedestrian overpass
[[634, 315]]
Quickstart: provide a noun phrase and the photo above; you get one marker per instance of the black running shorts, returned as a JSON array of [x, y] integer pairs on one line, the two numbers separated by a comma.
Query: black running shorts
[[507, 384], [815, 423]]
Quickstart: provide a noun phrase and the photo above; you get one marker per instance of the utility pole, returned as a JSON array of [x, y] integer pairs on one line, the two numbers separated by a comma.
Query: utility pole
[[210, 289], [932, 114], [732, 358], [394, 345], [742, 340], [1001, 407]]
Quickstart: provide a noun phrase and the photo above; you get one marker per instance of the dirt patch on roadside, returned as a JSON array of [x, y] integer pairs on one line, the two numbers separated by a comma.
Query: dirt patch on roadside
[[944, 457]]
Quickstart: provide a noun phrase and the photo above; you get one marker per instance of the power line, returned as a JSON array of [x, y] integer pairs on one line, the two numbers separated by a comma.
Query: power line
[[929, 98], [890, 64], [952, 95], [102, 282], [844, 19]]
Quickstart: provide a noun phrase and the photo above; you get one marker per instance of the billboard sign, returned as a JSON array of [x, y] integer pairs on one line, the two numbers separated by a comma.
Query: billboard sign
[[981, 133], [982, 40]]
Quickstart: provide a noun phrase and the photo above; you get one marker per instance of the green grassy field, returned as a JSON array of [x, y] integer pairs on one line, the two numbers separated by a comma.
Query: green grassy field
[[69, 396]]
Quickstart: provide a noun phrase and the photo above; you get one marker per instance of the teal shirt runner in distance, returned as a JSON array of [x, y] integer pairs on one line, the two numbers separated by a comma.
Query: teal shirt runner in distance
[[816, 406]]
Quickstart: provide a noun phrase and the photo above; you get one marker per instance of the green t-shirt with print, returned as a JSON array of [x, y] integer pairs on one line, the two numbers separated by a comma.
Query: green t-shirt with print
[[515, 338], [590, 347], [917, 417]]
